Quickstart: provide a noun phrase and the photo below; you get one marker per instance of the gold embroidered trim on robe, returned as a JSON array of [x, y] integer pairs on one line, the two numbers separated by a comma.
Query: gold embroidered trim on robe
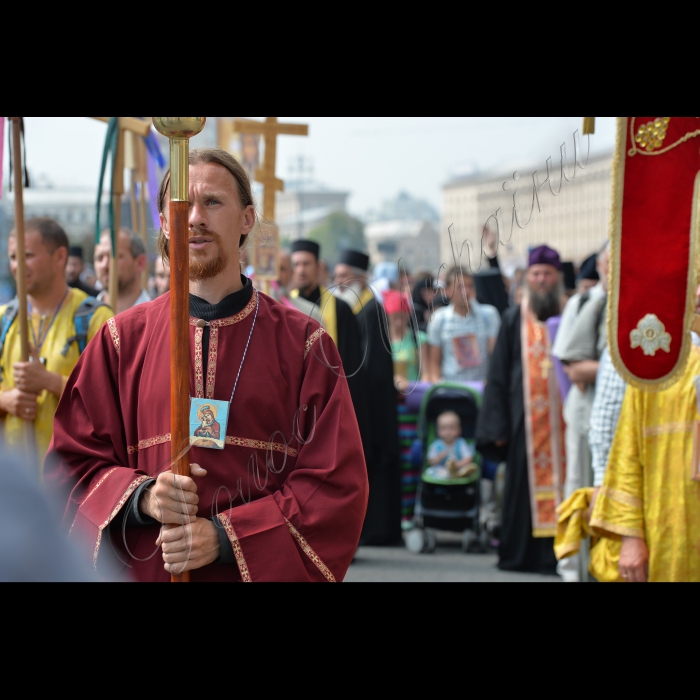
[[198, 363], [114, 332], [237, 549], [102, 480], [211, 369], [306, 548], [147, 444], [622, 497], [668, 429], [122, 502], [616, 531], [259, 445], [312, 340], [232, 441], [233, 320]]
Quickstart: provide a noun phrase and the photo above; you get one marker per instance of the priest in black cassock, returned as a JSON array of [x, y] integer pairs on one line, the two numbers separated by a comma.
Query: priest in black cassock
[[337, 318], [521, 422], [383, 523]]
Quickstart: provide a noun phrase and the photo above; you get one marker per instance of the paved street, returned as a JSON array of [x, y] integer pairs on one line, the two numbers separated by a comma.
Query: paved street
[[447, 565]]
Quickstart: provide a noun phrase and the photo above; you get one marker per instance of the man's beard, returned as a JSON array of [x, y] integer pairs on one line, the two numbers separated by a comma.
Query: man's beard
[[545, 305], [350, 293], [201, 269]]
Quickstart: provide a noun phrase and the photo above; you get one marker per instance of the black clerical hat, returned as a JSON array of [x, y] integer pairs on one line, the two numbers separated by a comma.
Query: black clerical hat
[[589, 269], [76, 252], [569, 275], [307, 247], [354, 258]]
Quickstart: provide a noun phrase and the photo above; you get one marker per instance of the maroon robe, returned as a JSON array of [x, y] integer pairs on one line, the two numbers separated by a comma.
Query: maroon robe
[[290, 488]]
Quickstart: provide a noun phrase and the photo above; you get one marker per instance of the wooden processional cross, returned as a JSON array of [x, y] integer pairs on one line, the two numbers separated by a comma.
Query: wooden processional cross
[[265, 256], [270, 129], [131, 154]]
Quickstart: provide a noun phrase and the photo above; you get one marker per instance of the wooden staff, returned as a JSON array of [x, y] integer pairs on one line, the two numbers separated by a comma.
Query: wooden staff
[[135, 162], [179, 130], [117, 193], [23, 314], [141, 176]]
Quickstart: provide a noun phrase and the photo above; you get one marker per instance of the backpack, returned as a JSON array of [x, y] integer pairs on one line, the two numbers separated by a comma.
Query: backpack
[[82, 318]]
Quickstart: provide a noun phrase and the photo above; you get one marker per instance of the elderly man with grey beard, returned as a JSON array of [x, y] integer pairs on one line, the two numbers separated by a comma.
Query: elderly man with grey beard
[[521, 422]]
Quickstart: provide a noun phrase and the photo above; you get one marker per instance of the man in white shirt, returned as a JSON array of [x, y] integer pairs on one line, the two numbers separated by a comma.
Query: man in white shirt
[[131, 263], [580, 343]]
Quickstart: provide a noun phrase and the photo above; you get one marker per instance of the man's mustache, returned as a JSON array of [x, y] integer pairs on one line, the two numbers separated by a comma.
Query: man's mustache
[[205, 233]]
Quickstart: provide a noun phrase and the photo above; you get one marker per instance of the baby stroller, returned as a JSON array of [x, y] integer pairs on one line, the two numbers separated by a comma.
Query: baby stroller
[[451, 505]]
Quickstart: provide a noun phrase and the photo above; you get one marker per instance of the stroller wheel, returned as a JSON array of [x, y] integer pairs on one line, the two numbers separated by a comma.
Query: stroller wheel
[[469, 541], [421, 541], [484, 541]]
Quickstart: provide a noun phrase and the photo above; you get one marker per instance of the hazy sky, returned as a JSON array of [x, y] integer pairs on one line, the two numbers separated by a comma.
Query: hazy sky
[[372, 157]]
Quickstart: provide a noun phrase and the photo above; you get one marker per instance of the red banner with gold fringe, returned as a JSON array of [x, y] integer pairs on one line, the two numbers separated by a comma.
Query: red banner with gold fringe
[[654, 248]]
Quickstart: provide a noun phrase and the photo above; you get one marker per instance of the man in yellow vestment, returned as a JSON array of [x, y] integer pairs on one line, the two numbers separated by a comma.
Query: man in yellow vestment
[[62, 321], [649, 500]]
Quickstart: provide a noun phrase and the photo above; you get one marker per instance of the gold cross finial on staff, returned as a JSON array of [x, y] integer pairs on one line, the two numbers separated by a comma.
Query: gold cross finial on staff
[[127, 126], [270, 129]]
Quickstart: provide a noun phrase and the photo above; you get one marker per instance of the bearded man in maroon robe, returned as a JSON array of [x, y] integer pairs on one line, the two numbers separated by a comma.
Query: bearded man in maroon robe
[[287, 497]]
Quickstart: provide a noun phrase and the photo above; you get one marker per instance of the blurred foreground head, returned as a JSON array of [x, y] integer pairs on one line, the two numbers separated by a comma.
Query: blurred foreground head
[[33, 548]]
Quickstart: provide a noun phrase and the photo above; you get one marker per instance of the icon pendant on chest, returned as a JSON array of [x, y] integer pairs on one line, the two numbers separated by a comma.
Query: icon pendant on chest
[[208, 423]]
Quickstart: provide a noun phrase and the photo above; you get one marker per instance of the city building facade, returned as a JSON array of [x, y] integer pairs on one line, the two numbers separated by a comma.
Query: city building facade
[[414, 244], [305, 205], [573, 216]]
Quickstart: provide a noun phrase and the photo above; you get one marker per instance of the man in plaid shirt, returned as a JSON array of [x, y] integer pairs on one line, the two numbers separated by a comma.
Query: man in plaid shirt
[[610, 393]]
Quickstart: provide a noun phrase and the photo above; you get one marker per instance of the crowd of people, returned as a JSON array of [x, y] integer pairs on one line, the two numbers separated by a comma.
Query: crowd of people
[[535, 344], [588, 491]]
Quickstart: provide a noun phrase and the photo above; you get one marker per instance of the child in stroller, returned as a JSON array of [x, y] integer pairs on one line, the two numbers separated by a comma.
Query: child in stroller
[[450, 457], [449, 497]]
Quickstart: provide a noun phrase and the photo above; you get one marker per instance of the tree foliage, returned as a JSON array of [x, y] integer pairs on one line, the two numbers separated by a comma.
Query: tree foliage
[[338, 232]]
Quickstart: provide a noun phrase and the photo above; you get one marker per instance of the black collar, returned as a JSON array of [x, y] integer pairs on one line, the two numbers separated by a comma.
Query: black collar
[[314, 297], [230, 306]]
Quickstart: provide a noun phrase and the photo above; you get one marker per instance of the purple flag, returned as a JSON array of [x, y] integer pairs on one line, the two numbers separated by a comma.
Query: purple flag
[[153, 188], [2, 149], [562, 378]]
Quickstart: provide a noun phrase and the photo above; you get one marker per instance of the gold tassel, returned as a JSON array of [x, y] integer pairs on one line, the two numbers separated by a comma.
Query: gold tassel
[[588, 126]]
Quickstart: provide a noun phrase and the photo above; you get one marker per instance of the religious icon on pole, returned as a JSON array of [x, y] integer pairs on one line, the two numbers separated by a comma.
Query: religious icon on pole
[[265, 253], [245, 147], [656, 217]]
